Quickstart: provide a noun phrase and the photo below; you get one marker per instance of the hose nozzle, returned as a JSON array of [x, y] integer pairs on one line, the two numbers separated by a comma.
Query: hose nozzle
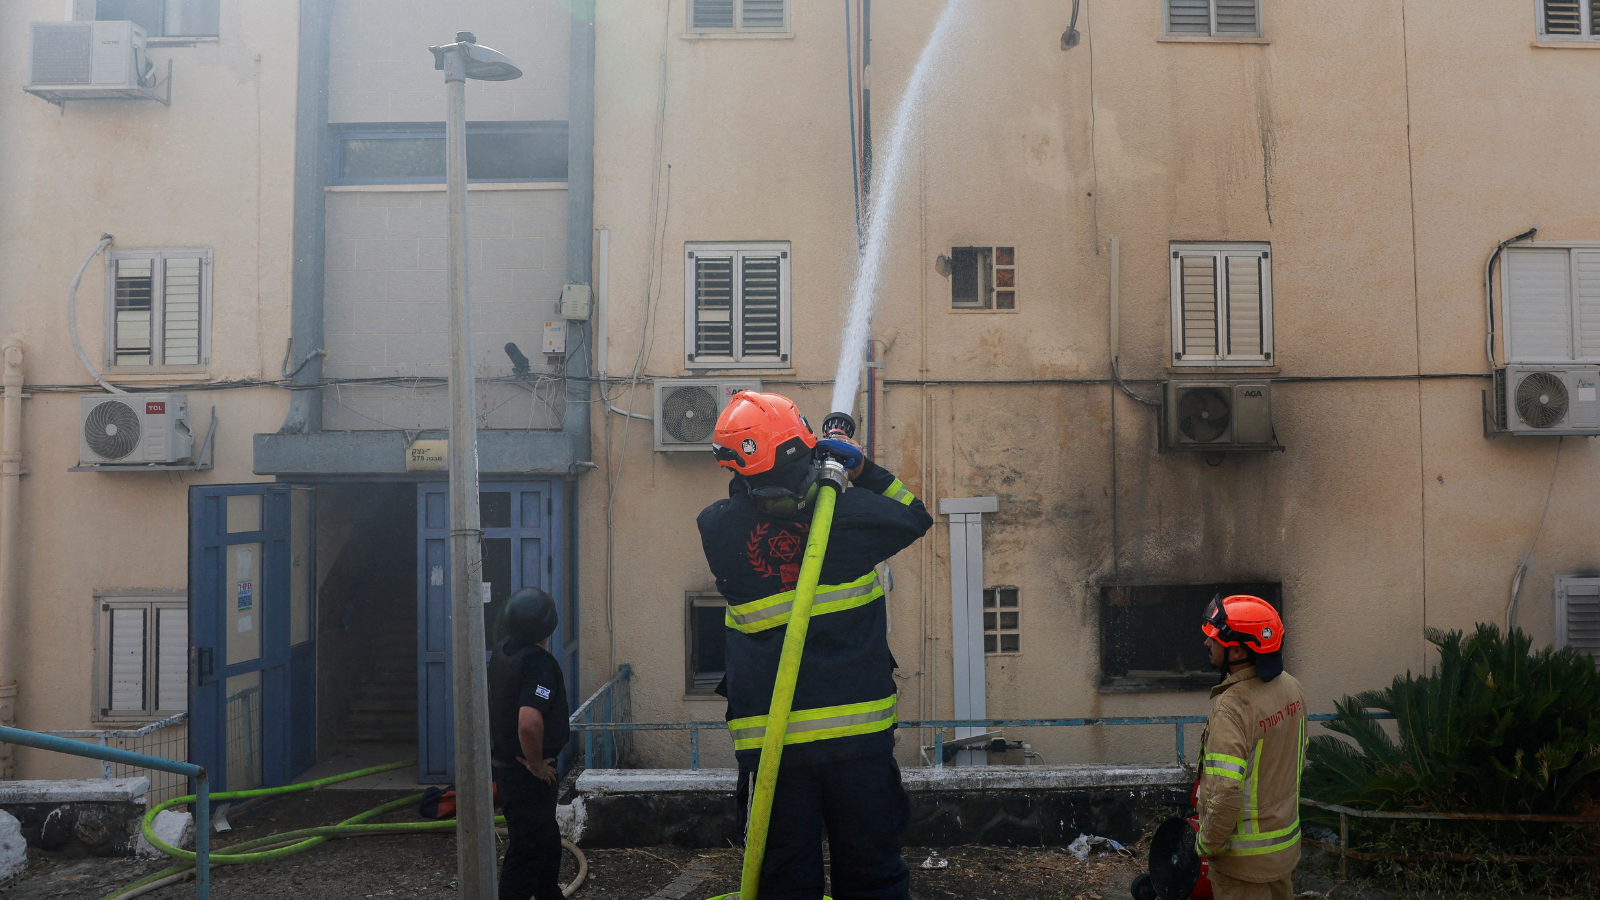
[[837, 425]]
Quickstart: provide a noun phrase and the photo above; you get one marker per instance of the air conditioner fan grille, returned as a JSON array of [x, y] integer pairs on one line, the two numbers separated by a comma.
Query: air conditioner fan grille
[[1542, 400], [1204, 414], [689, 414], [112, 430]]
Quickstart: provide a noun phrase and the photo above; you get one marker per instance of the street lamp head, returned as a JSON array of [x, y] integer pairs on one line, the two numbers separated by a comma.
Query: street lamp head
[[475, 62]]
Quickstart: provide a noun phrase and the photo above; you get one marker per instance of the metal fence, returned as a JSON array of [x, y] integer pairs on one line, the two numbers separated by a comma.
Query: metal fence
[[243, 717], [166, 739], [603, 722]]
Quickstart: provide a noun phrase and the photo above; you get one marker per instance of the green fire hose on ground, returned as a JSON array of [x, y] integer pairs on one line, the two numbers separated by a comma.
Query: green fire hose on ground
[[289, 843]]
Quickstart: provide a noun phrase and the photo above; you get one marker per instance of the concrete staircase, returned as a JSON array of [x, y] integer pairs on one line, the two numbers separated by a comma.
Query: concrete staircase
[[383, 701]]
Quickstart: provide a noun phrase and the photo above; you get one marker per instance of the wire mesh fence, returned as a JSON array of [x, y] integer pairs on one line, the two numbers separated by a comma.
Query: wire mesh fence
[[243, 713], [167, 739]]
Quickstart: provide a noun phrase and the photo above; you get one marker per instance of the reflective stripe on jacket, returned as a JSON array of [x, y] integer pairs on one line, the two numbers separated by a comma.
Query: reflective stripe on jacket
[[1250, 762], [773, 612], [820, 724]]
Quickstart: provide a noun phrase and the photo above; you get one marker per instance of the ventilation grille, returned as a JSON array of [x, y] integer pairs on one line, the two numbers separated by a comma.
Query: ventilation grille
[[61, 53], [112, 430], [1236, 17], [1563, 17], [1499, 399], [1583, 618], [689, 414], [1204, 414], [1542, 400], [764, 14], [761, 303], [1189, 16], [713, 13]]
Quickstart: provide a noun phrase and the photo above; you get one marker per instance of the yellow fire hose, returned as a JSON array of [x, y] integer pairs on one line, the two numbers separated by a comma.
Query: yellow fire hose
[[794, 644]]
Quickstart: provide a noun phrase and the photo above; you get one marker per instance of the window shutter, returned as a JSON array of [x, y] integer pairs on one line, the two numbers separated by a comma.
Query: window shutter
[[1578, 615], [1237, 17], [1538, 305], [713, 306], [127, 668], [1563, 17], [1244, 305], [760, 286], [1586, 272], [761, 14], [1198, 281], [1188, 16], [135, 290], [172, 659], [713, 13], [181, 312]]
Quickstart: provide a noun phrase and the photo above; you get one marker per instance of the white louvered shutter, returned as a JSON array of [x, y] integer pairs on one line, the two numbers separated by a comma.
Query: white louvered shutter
[[1237, 17], [1578, 615], [1197, 279], [135, 293], [1586, 300], [761, 307], [766, 15], [1563, 17], [1538, 305], [1245, 308], [172, 659], [126, 659], [713, 13], [1188, 16], [713, 306], [180, 329]]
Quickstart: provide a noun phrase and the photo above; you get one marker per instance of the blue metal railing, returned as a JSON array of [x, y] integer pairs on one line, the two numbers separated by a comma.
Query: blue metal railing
[[610, 701], [202, 815]]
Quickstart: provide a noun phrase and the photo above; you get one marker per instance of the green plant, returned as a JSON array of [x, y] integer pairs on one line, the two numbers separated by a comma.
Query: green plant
[[1494, 728]]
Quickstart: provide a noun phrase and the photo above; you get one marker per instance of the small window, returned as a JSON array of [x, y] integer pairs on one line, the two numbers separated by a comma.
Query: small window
[[1214, 18], [1578, 614], [1150, 636], [707, 642], [1551, 303], [1221, 304], [983, 278], [1569, 20], [158, 18], [141, 656], [736, 305], [158, 308], [414, 153], [1001, 620], [710, 16]]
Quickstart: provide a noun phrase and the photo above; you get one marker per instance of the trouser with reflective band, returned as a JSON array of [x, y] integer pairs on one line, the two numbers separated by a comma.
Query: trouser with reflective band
[[864, 809], [1225, 887], [819, 724], [773, 612]]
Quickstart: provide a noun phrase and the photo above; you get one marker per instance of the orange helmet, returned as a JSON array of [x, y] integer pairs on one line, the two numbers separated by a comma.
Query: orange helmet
[[1244, 620], [759, 432]]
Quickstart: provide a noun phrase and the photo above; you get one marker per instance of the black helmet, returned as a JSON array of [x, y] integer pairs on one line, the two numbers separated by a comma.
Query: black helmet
[[529, 617]]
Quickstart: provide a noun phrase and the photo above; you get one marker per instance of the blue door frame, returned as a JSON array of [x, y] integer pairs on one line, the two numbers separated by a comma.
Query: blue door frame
[[523, 539], [245, 573]]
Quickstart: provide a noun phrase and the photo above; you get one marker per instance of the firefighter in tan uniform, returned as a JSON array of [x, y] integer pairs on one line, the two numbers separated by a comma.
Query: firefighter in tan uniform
[[1251, 755]]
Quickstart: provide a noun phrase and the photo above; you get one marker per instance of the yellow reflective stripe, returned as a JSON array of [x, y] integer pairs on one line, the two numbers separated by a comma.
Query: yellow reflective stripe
[[1261, 844], [1225, 773], [819, 724], [773, 611], [1222, 764], [898, 491], [1255, 787], [1225, 758]]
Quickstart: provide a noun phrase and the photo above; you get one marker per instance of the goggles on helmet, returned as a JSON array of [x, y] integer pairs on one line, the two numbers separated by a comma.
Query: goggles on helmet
[[1217, 618]]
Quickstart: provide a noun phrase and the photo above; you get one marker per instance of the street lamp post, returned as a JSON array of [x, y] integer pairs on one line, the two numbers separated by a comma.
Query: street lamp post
[[475, 849]]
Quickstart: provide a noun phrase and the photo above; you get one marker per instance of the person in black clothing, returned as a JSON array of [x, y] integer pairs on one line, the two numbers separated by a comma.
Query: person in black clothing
[[527, 730], [838, 769]]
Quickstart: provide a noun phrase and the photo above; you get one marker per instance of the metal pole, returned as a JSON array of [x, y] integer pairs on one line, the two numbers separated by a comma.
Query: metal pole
[[202, 836], [475, 850], [10, 542]]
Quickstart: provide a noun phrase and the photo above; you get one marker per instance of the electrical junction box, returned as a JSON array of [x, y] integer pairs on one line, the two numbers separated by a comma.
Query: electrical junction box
[[555, 338], [577, 301]]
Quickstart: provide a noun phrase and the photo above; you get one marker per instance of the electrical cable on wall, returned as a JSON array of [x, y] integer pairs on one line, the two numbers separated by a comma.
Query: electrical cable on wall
[[1488, 288], [1522, 565], [72, 316]]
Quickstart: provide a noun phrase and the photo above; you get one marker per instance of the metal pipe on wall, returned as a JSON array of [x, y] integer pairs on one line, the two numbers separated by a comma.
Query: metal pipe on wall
[[10, 536]]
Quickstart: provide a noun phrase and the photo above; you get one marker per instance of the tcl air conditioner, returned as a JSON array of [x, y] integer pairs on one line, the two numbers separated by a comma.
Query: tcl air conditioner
[[1555, 399], [134, 429], [687, 410], [1213, 416], [89, 61]]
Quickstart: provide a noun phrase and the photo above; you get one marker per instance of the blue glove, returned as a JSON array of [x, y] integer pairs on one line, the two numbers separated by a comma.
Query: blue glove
[[848, 455]]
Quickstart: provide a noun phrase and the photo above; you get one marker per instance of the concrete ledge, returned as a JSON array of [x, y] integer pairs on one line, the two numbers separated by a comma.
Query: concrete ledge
[[115, 790], [384, 453], [78, 818]]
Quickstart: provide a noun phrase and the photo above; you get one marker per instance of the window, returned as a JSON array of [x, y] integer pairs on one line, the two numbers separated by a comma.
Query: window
[[983, 278], [1550, 297], [1221, 304], [158, 308], [1578, 614], [158, 18], [710, 16], [1150, 634], [1214, 18], [1569, 20], [1001, 624], [413, 153], [141, 656], [737, 305], [707, 642]]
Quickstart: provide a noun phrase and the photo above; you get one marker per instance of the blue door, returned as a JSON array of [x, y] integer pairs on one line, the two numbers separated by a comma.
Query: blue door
[[252, 706], [522, 547]]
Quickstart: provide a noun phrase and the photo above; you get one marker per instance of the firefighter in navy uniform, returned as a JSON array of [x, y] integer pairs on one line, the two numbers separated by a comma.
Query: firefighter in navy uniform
[[838, 769], [527, 730]]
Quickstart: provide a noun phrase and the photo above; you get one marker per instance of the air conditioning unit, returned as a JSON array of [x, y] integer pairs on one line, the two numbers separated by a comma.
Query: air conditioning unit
[[1213, 416], [687, 410], [1555, 399], [89, 61], [134, 429]]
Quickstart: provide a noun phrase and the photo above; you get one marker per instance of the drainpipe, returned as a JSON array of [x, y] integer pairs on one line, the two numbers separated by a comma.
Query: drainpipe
[[303, 365], [580, 269], [10, 535]]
